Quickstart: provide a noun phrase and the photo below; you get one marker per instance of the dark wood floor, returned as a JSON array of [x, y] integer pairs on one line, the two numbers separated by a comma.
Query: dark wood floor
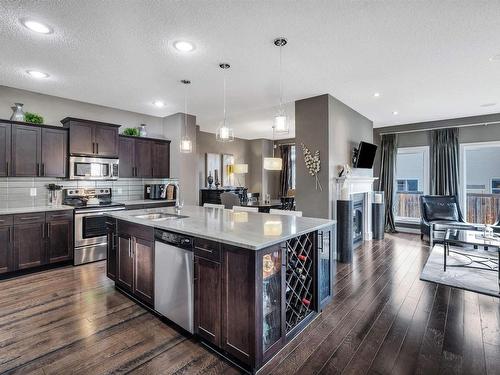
[[383, 320]]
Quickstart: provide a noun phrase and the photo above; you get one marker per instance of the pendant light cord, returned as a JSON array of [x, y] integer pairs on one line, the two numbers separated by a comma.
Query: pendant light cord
[[185, 110], [281, 79], [224, 124]]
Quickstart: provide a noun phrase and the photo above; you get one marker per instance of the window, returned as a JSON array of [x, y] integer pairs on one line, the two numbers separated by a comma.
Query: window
[[412, 180], [481, 182]]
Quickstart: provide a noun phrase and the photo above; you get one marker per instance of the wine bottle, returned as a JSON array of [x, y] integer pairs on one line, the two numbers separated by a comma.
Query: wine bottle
[[302, 257], [306, 302]]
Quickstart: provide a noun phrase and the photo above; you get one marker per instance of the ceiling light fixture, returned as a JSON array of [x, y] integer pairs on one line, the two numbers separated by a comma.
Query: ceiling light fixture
[[186, 143], [395, 113], [36, 26], [488, 104], [273, 164], [495, 58], [376, 95], [281, 120], [37, 74], [184, 46], [158, 103], [224, 132]]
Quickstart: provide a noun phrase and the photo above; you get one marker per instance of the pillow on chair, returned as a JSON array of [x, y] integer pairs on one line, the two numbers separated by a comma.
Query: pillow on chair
[[441, 211]]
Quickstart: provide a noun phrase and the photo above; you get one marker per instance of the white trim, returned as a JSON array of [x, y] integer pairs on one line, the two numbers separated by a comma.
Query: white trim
[[425, 150]]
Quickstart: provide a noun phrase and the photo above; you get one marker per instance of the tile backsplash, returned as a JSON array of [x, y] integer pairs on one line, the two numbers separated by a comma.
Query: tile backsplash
[[15, 191]]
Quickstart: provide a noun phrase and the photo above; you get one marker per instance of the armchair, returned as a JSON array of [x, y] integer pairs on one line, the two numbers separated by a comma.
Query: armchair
[[438, 213]]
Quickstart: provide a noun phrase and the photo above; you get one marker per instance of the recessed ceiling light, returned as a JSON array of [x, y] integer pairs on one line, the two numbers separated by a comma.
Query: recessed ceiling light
[[36, 26], [495, 58], [184, 46], [488, 104], [376, 95], [158, 103], [37, 74], [395, 113]]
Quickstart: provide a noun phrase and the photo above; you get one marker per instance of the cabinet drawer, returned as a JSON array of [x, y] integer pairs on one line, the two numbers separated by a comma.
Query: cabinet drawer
[[136, 230], [34, 217], [59, 215], [134, 207], [207, 249], [6, 220]]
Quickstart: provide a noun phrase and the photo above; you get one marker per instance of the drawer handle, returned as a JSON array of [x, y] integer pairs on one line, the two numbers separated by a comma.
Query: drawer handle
[[59, 215], [31, 218], [203, 249]]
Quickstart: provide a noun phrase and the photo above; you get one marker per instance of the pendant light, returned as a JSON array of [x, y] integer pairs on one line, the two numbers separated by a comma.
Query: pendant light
[[273, 164], [224, 132], [281, 121], [186, 144]]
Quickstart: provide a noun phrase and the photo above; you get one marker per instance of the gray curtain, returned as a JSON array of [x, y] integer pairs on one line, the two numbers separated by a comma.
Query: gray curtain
[[444, 162], [386, 179], [286, 171]]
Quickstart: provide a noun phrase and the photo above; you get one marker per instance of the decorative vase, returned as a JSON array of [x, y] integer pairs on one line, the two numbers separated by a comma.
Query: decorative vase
[[142, 130], [18, 113], [210, 180], [217, 183]]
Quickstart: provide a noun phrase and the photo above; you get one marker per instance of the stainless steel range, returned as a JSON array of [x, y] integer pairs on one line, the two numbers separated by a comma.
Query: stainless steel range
[[90, 235]]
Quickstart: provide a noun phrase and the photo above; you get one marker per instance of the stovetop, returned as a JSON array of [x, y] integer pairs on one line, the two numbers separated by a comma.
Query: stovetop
[[80, 198]]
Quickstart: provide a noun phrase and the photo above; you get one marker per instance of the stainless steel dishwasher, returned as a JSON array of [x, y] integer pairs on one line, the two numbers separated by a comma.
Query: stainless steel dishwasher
[[174, 281]]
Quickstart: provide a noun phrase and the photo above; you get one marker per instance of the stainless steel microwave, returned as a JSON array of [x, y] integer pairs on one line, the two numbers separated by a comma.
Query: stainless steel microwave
[[84, 168]]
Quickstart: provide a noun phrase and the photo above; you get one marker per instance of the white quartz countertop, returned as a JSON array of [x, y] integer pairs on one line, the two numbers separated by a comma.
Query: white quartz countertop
[[249, 230], [24, 210], [147, 201]]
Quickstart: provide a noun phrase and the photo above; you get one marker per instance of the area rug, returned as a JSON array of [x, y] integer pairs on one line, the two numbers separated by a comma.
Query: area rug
[[475, 280]]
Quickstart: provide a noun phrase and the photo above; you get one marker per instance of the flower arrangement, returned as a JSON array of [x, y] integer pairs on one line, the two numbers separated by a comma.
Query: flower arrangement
[[313, 164]]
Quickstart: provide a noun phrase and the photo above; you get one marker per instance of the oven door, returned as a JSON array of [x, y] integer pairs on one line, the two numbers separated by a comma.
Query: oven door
[[90, 227], [92, 168]]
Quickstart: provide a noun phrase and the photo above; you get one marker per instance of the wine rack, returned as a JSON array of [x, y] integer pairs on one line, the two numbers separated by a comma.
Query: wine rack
[[299, 279], [271, 299]]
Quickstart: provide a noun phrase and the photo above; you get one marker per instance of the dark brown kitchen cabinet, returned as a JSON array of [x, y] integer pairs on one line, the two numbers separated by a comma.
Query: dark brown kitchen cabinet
[[54, 152], [29, 240], [92, 138], [26, 150], [127, 157], [59, 232], [161, 159], [143, 158], [111, 248], [5, 243], [207, 306], [135, 261], [5, 139]]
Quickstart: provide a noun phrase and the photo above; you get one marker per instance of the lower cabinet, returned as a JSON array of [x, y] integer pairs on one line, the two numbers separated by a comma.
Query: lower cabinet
[[29, 244], [207, 306], [112, 249], [135, 262], [5, 248], [59, 236]]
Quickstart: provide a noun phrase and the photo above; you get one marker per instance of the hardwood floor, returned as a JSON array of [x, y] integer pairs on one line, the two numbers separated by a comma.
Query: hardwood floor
[[383, 320]]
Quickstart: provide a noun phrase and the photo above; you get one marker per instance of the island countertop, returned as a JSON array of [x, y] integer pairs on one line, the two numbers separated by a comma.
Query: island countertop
[[248, 230]]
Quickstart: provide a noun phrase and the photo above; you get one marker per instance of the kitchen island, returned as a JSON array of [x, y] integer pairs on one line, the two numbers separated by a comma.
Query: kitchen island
[[257, 280]]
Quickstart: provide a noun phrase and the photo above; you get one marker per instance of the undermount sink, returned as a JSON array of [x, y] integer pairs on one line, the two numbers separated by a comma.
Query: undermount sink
[[159, 216]]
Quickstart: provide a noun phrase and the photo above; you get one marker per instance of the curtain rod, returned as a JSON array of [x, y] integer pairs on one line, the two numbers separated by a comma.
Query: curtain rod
[[440, 127]]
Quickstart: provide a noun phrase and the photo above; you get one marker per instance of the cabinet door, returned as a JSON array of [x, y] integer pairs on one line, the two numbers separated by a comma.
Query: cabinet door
[[26, 150], [111, 256], [106, 140], [127, 157], [59, 240], [54, 152], [143, 270], [125, 263], [5, 249], [29, 245], [5, 164], [81, 138], [207, 294], [161, 160], [143, 162]]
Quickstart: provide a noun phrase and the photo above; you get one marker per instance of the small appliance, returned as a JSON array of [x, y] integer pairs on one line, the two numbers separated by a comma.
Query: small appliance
[[155, 191]]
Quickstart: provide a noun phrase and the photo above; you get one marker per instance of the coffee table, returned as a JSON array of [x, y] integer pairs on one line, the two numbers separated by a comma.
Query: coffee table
[[485, 252]]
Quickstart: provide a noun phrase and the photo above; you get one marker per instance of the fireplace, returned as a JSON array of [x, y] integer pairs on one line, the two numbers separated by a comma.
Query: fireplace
[[358, 215]]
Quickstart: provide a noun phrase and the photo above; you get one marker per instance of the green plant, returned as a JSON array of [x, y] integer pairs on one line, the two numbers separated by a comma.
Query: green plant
[[33, 118], [131, 131]]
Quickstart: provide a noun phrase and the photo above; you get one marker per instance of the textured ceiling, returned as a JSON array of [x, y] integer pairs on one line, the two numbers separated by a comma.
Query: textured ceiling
[[428, 59]]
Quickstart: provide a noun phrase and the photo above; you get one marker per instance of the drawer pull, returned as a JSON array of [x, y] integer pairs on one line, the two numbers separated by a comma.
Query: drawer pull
[[59, 215], [31, 218], [203, 249]]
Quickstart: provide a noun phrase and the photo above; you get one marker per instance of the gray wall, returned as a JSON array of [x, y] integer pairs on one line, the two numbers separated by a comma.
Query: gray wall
[[326, 124]]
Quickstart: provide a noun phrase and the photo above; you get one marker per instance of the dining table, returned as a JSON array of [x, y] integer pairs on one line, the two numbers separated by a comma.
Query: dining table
[[262, 205]]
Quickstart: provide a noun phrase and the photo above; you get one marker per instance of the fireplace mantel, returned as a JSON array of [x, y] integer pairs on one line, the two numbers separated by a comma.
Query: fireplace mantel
[[357, 184]]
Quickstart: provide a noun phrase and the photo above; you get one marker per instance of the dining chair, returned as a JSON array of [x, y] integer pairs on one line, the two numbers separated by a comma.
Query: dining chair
[[211, 205], [229, 200], [285, 212], [245, 208]]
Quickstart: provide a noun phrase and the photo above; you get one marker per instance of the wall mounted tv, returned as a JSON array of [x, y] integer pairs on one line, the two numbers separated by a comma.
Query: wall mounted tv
[[364, 155]]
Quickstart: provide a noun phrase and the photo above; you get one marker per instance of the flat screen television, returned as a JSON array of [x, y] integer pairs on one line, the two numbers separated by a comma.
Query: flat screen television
[[364, 155]]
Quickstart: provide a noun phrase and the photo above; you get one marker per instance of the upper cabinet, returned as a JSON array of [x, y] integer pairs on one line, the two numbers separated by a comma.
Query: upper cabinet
[[54, 152], [26, 151], [5, 161], [144, 157], [92, 138]]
